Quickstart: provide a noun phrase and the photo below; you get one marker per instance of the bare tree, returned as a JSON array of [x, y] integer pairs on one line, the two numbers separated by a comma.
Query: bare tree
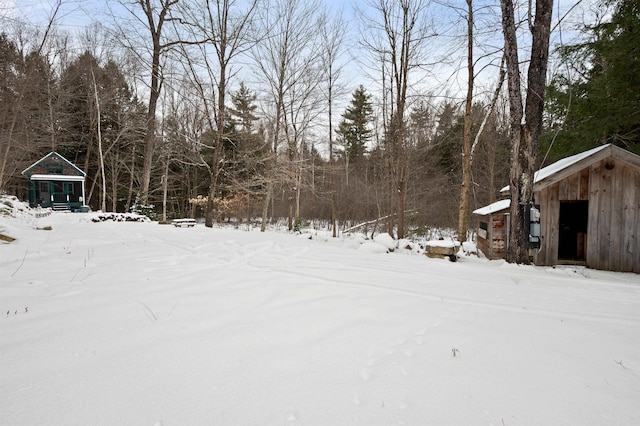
[[469, 146], [226, 27], [333, 31], [466, 138], [399, 39], [156, 14], [284, 60], [103, 198], [526, 123], [186, 126]]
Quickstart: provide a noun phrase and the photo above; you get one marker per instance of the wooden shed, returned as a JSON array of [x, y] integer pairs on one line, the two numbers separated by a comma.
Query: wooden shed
[[55, 182], [492, 229], [589, 211]]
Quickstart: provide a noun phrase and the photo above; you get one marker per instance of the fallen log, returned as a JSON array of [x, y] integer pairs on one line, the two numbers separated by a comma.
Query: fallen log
[[6, 238]]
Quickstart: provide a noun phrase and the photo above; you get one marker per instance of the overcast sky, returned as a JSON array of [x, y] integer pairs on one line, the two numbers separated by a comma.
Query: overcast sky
[[445, 77]]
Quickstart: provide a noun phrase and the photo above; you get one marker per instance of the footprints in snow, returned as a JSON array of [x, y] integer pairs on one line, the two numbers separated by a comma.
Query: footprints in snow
[[390, 361], [397, 357]]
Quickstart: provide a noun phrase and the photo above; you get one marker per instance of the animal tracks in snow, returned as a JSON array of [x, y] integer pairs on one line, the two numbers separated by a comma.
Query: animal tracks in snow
[[392, 361]]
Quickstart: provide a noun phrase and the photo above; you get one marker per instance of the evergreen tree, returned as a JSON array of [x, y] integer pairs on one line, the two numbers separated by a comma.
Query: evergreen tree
[[354, 131], [600, 97], [246, 156], [447, 142], [420, 125], [244, 108]]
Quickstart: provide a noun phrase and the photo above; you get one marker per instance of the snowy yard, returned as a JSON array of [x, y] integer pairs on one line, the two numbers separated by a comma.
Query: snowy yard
[[142, 324]]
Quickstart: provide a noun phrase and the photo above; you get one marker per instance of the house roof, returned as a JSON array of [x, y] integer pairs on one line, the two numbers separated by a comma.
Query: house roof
[[567, 166], [51, 156], [494, 207]]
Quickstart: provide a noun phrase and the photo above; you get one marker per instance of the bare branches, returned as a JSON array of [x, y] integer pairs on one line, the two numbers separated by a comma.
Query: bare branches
[[399, 33], [4, 153]]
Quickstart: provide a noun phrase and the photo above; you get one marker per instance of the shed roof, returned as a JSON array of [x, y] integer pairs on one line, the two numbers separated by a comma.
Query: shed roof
[[494, 207], [567, 166], [51, 156]]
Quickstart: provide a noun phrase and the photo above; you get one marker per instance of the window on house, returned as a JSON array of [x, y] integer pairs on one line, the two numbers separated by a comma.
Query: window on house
[[54, 169]]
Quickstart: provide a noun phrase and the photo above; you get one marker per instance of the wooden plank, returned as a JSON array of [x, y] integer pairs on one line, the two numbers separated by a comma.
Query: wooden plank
[[6, 238], [483, 235], [553, 224], [636, 222], [584, 185], [483, 247], [615, 211], [499, 236], [604, 216], [592, 224], [571, 185], [628, 224], [541, 255], [563, 190]]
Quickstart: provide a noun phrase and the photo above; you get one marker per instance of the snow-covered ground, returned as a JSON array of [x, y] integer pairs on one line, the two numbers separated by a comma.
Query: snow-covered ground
[[119, 323]]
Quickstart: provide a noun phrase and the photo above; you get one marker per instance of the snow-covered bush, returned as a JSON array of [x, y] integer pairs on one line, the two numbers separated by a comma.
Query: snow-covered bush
[[148, 210], [385, 240], [119, 217]]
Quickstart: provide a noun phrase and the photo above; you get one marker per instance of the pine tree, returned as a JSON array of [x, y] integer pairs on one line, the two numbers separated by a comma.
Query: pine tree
[[244, 108], [247, 150], [353, 131], [600, 96]]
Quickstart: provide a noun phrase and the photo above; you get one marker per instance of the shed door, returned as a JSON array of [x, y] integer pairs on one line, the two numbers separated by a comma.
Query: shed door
[[572, 242]]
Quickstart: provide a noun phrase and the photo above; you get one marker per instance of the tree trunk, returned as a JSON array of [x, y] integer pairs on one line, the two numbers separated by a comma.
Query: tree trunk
[[165, 187], [155, 28], [131, 178], [103, 198], [332, 180], [217, 153], [516, 252], [114, 183], [150, 137], [466, 142], [265, 206], [525, 137]]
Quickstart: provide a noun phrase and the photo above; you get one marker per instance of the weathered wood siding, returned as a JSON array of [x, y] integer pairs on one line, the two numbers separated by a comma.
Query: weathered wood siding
[[498, 230], [493, 242], [613, 240], [573, 188], [612, 188], [484, 236]]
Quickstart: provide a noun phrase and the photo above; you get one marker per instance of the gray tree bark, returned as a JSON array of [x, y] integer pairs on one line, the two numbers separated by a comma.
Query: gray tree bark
[[526, 125]]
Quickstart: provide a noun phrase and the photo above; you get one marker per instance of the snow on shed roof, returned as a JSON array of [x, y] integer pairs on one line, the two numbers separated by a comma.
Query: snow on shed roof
[[494, 207], [559, 165]]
